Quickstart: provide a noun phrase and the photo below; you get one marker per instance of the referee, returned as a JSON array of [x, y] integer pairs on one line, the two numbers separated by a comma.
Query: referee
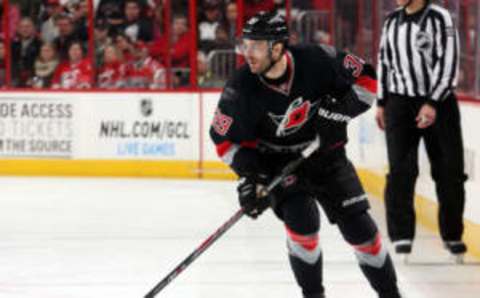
[[418, 70]]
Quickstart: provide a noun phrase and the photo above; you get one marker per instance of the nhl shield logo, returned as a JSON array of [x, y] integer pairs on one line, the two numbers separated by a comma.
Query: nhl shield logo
[[294, 118], [146, 107], [423, 42]]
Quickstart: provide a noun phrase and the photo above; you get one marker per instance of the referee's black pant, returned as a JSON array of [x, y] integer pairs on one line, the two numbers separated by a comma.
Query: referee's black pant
[[444, 145]]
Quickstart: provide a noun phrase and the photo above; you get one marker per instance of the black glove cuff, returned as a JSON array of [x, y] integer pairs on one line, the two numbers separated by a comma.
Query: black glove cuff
[[249, 163]]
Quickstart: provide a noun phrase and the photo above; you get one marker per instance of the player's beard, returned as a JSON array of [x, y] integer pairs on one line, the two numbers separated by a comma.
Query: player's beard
[[258, 65]]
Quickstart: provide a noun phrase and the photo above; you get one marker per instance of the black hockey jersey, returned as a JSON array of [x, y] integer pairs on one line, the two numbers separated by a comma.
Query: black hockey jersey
[[325, 89]]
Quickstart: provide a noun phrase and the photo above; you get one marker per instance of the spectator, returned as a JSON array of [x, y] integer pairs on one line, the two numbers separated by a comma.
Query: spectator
[[178, 6], [203, 73], [125, 46], [112, 11], [136, 26], [222, 41], [76, 73], [30, 8], [251, 7], [45, 66], [205, 76], [180, 44], [211, 19], [66, 35], [24, 51], [13, 17], [101, 39], [158, 21], [145, 72], [79, 12], [230, 22], [48, 29], [106, 8], [112, 74]]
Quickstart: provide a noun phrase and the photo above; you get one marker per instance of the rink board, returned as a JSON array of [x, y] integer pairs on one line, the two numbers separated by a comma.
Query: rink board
[[154, 134]]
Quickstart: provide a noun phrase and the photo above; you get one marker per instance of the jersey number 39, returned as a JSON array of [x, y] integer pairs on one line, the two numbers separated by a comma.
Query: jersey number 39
[[353, 63]]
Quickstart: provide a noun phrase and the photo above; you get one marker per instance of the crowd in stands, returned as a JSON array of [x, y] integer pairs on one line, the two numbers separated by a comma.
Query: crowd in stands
[[134, 42], [143, 44], [48, 44]]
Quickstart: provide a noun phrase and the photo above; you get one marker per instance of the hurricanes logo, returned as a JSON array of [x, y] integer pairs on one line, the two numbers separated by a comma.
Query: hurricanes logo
[[423, 42], [295, 117]]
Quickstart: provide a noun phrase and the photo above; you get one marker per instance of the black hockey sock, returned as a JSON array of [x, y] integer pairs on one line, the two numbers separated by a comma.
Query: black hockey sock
[[383, 280], [375, 262], [309, 277]]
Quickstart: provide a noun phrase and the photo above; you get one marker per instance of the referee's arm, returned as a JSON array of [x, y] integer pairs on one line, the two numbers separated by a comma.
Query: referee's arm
[[382, 68], [445, 70]]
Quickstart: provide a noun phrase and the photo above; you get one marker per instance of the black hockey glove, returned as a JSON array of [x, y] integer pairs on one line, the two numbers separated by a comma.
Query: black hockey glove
[[251, 196]]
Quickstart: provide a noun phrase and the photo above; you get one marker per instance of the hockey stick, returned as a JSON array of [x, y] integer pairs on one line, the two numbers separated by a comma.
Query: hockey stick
[[289, 168]]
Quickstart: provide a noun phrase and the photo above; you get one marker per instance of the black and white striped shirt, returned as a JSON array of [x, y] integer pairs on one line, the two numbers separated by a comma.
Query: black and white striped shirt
[[419, 55]]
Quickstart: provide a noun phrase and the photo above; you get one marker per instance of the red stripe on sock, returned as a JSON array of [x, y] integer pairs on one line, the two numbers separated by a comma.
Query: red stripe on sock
[[372, 249], [310, 243]]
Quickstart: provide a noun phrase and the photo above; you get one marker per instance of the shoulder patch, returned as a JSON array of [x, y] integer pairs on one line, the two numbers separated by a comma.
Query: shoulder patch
[[221, 123]]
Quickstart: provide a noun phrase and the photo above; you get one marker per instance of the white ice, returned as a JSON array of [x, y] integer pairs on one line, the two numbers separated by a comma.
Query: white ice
[[116, 238]]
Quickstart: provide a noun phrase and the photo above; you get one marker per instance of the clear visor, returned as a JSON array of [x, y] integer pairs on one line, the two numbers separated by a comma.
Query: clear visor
[[249, 47]]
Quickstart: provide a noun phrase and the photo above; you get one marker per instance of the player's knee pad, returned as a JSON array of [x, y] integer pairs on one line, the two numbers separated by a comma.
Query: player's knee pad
[[362, 233], [371, 253], [305, 247], [300, 213]]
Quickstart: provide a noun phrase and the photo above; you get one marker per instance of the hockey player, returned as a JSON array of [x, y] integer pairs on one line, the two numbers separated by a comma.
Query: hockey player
[[271, 109]]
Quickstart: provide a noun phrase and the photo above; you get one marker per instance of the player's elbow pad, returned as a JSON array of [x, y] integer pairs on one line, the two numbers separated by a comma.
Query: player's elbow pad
[[357, 102]]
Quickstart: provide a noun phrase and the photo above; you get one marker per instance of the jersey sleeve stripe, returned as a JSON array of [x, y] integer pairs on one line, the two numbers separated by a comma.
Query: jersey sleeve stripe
[[226, 151], [367, 83], [366, 89], [223, 148]]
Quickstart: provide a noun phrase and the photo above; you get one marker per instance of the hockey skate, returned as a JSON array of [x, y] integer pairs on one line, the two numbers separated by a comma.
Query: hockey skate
[[457, 249], [403, 248]]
